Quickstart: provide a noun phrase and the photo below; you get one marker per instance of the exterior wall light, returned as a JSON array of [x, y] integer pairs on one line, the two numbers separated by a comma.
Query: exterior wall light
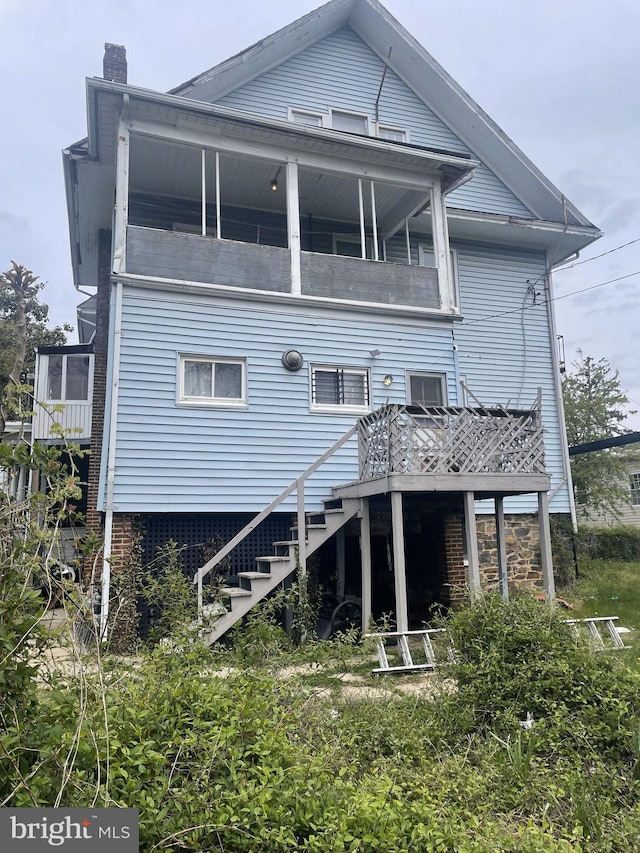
[[388, 380], [274, 184]]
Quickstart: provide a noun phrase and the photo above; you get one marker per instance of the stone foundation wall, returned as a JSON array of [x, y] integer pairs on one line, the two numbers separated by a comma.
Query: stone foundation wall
[[522, 539]]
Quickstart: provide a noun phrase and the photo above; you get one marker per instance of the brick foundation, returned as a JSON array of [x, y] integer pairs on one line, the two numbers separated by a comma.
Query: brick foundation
[[454, 583]]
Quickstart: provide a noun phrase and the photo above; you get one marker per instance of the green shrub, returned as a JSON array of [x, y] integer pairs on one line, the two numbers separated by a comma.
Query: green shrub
[[610, 543], [518, 657]]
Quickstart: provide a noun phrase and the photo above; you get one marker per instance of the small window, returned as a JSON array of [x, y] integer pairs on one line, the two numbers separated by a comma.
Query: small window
[[212, 380], [427, 258], [392, 134], [349, 122], [340, 387], [426, 389], [350, 245], [68, 377], [634, 487], [307, 118]]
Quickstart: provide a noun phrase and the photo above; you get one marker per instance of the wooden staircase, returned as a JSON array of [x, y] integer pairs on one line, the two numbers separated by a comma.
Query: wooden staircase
[[271, 570]]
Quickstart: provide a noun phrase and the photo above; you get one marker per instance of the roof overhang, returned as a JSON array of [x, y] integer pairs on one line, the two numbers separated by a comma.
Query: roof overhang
[[419, 71], [90, 166], [559, 241]]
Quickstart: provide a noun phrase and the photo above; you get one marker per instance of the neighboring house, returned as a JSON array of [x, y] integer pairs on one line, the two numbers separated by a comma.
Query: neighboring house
[[625, 513], [323, 232]]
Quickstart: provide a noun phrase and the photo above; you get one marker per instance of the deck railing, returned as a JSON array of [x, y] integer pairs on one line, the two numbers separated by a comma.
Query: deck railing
[[449, 440]]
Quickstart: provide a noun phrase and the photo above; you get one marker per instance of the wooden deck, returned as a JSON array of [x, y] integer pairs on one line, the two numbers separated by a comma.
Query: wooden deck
[[443, 448]]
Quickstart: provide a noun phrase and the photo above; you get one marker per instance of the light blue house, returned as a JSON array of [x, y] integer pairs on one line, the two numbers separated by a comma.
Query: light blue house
[[320, 244]]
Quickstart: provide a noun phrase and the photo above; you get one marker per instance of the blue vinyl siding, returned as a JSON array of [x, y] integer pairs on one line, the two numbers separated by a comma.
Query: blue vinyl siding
[[504, 347], [342, 72], [173, 458]]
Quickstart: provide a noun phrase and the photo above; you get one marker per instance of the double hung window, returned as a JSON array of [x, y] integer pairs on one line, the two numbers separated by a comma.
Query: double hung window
[[220, 381], [68, 377]]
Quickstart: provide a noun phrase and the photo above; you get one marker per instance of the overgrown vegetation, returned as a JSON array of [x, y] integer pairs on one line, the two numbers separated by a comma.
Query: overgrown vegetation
[[259, 746], [249, 760]]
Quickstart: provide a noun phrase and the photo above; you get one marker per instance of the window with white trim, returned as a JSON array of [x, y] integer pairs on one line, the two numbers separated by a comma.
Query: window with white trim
[[68, 377], [427, 258], [634, 487], [392, 134], [310, 119], [212, 381], [426, 389], [350, 122], [339, 388]]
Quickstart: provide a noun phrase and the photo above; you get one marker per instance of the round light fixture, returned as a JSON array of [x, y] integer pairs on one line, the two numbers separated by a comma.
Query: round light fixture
[[388, 380], [292, 359]]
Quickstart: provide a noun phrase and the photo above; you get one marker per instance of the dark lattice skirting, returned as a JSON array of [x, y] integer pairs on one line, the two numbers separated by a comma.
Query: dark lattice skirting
[[192, 532]]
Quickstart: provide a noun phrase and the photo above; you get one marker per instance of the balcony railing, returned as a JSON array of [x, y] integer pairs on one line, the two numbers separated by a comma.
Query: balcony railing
[[449, 440], [174, 254]]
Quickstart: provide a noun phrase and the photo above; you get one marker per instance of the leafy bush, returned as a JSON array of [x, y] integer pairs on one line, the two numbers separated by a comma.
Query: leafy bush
[[610, 543], [518, 657]]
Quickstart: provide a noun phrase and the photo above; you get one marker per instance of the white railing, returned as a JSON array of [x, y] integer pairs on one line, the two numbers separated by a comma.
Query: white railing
[[449, 440], [298, 487]]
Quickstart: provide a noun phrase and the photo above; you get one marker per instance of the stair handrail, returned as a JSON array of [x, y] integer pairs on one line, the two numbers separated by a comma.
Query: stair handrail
[[258, 519]]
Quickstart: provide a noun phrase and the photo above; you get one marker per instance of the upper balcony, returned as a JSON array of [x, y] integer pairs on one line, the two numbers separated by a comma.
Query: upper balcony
[[256, 223]]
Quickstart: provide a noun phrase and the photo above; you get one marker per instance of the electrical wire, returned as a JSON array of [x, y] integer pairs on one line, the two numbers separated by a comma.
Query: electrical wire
[[601, 255], [553, 299]]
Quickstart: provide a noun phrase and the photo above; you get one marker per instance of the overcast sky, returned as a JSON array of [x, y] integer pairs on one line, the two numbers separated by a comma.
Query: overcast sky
[[561, 77]]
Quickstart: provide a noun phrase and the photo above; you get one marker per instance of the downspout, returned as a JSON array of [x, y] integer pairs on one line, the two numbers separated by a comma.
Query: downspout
[[111, 462], [564, 444]]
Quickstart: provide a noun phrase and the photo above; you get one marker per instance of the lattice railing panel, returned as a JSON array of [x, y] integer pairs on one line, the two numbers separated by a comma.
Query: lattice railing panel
[[450, 440]]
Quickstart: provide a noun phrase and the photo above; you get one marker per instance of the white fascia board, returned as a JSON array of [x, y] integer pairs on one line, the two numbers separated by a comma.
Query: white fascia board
[[247, 295], [561, 241]]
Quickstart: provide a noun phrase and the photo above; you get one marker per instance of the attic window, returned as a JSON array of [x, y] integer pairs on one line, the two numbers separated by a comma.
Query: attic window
[[349, 122], [392, 134], [307, 118]]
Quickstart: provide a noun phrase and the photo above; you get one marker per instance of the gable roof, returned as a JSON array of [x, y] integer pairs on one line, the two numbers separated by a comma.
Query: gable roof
[[419, 71]]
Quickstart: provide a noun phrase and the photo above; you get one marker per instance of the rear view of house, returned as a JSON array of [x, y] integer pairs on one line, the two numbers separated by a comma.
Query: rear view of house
[[325, 285]]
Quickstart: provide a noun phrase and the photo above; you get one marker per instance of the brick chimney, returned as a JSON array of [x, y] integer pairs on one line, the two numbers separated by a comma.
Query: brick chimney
[[114, 64]]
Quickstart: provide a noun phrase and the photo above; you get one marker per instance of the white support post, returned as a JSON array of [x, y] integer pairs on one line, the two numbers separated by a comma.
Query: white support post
[[293, 226], [473, 570], [441, 248], [374, 223], [302, 527], [204, 192], [363, 238], [365, 556], [218, 205], [340, 563], [399, 570], [502, 548], [408, 237], [122, 200], [546, 559]]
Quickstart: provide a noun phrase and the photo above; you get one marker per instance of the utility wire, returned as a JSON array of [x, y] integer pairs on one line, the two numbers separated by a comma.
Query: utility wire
[[554, 299], [601, 255]]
